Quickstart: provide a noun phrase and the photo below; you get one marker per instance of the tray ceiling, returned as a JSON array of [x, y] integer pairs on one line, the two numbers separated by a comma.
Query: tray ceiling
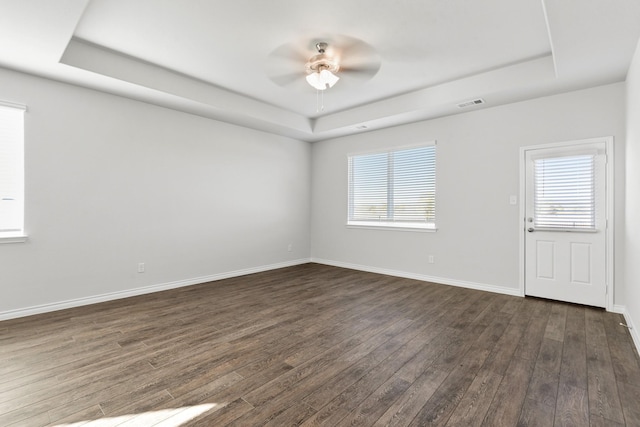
[[209, 57]]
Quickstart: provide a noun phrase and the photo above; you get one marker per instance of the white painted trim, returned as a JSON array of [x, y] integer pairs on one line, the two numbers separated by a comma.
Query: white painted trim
[[635, 335], [633, 330], [611, 223], [610, 262], [430, 143], [13, 105], [392, 228], [422, 277], [620, 309], [546, 20], [21, 238], [95, 299]]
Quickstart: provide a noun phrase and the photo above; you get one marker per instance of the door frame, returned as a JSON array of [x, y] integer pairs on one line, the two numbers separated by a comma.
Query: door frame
[[609, 209]]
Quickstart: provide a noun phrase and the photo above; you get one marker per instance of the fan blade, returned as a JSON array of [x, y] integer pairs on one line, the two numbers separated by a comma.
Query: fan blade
[[360, 70], [357, 58], [286, 79], [355, 51], [360, 73], [290, 52], [285, 64]]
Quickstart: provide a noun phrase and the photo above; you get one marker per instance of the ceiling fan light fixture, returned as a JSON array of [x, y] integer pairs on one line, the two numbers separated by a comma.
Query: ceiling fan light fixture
[[328, 77], [322, 79], [321, 69]]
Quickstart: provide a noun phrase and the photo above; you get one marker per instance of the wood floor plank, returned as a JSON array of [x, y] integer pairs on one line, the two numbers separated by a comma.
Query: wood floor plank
[[350, 398], [572, 406], [440, 406], [271, 399], [342, 380], [223, 416], [556, 323], [630, 399], [407, 406], [293, 416], [623, 355], [370, 409], [80, 418], [603, 391], [499, 359], [543, 386], [597, 421], [475, 403], [536, 413], [327, 363], [529, 344], [573, 369], [319, 345], [508, 400]]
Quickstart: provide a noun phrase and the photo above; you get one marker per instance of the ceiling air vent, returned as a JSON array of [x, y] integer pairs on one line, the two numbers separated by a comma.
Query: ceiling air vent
[[466, 104]]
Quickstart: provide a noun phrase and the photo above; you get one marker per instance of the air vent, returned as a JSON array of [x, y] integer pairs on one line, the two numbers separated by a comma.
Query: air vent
[[466, 104]]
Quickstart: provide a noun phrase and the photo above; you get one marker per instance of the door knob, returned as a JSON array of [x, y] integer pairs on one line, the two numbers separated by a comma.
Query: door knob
[[530, 229]]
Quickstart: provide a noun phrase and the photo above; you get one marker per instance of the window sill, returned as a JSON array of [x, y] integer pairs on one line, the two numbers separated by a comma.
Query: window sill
[[12, 238], [393, 227]]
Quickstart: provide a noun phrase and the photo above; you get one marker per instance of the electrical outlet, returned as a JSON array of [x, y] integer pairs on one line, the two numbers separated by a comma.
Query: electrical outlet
[[290, 247], [431, 259], [141, 267]]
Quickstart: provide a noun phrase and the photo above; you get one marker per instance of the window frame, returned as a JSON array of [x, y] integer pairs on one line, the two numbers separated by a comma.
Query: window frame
[[390, 225], [18, 235]]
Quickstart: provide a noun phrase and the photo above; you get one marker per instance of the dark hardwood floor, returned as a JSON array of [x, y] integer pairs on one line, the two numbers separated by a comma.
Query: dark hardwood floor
[[317, 345]]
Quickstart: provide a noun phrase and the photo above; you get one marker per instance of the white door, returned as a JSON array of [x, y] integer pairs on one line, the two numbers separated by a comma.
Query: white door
[[565, 223]]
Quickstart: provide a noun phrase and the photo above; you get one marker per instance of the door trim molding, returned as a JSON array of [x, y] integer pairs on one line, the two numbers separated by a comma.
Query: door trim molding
[[609, 202]]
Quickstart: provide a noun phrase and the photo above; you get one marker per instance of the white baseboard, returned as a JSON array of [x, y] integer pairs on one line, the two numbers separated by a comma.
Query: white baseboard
[[620, 309], [46, 308], [633, 330], [422, 277]]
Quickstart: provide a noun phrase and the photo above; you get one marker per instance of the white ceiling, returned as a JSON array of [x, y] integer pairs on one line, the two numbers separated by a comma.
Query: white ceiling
[[210, 57]]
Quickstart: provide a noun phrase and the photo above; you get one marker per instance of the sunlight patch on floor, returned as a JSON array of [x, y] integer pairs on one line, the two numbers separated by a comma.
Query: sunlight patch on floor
[[173, 417]]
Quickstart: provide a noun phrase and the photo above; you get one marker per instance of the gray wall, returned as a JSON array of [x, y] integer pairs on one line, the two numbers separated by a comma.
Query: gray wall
[[632, 199], [112, 182], [477, 242]]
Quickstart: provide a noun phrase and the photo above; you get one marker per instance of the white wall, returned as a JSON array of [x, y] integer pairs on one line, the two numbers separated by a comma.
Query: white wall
[[477, 170], [632, 217], [112, 182]]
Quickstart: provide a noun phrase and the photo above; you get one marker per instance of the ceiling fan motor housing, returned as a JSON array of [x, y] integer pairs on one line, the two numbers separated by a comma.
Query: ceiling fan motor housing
[[321, 61]]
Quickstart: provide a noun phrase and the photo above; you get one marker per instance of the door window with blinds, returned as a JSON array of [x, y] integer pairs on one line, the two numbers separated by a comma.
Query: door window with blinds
[[565, 193], [395, 188], [11, 171]]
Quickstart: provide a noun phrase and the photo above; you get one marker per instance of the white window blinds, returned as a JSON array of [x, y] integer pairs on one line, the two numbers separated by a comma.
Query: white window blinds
[[11, 169], [564, 192], [394, 188]]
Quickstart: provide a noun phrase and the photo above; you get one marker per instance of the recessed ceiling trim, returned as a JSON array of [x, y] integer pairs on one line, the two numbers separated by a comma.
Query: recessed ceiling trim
[[546, 20], [226, 104], [429, 101]]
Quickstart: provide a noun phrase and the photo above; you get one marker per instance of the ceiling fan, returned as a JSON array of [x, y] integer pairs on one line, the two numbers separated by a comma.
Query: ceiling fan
[[322, 62]]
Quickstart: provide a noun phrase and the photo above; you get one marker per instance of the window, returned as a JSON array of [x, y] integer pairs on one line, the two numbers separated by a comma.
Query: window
[[393, 188], [11, 172], [564, 192]]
